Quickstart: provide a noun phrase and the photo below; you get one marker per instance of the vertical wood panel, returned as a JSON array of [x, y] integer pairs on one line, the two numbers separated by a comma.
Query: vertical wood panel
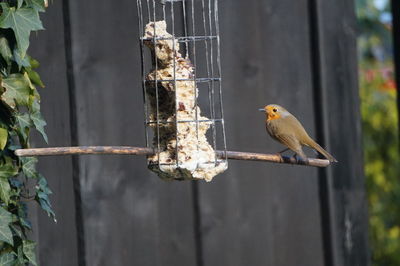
[[130, 216], [341, 127], [256, 213], [396, 46], [57, 241]]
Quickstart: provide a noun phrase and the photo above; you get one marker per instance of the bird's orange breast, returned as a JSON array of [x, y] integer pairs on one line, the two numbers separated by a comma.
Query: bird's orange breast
[[273, 116]]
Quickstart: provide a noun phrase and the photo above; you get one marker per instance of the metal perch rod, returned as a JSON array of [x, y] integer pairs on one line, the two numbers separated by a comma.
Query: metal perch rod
[[127, 150]]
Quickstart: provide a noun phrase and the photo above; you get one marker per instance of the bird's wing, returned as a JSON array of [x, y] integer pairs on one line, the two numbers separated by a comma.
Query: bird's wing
[[289, 140], [292, 143], [296, 127]]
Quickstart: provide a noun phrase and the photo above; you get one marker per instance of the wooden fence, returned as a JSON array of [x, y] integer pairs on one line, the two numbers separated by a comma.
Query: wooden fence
[[112, 211]]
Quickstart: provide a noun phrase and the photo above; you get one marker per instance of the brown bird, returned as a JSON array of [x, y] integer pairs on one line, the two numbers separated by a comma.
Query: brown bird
[[286, 129]]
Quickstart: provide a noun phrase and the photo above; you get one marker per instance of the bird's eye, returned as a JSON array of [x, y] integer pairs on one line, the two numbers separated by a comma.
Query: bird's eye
[[275, 110]]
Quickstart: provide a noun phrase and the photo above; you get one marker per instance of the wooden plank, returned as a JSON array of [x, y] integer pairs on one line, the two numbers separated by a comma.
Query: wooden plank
[[253, 214], [57, 241], [261, 214], [340, 123], [130, 216]]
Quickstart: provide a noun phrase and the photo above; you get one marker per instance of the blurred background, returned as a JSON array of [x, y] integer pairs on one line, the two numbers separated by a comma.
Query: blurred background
[[380, 128]]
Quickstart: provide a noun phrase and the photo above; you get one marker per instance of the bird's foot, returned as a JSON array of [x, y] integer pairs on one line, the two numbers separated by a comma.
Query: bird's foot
[[300, 159], [280, 153]]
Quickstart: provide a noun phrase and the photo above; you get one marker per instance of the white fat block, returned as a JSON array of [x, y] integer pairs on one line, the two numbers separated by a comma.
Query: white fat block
[[182, 141]]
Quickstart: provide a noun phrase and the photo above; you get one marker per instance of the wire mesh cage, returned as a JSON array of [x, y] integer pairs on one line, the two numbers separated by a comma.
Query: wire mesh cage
[[181, 79]]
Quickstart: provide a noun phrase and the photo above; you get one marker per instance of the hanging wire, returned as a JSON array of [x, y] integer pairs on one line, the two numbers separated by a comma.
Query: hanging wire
[[146, 112], [219, 74], [194, 78], [210, 86], [156, 82], [183, 39], [174, 84], [198, 80], [185, 30], [212, 74], [163, 8], [148, 11]]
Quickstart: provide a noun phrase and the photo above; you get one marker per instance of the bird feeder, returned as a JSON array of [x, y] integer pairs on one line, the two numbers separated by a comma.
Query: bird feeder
[[182, 88]]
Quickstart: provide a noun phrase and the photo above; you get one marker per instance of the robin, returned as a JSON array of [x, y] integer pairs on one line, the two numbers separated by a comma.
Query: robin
[[285, 128]]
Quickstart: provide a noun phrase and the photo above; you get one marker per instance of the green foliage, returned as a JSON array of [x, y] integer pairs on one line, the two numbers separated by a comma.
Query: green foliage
[[16, 90], [7, 259], [5, 230], [380, 133], [19, 113], [3, 138], [29, 251], [22, 20], [381, 153]]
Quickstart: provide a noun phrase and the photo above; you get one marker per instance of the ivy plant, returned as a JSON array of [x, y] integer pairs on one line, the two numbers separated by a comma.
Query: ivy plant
[[19, 113]]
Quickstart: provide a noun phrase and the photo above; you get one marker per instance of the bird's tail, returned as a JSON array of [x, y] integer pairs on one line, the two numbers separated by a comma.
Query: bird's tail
[[316, 146]]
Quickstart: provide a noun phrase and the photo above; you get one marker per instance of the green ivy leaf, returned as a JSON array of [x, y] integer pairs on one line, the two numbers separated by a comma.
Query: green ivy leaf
[[35, 78], [20, 3], [3, 138], [46, 206], [8, 170], [29, 166], [15, 182], [35, 94], [36, 4], [7, 259], [26, 223], [34, 100], [5, 231], [33, 62], [42, 198], [24, 122], [23, 216], [43, 186], [21, 61], [5, 190], [22, 21], [39, 124], [20, 257], [29, 251], [15, 229], [17, 90], [5, 50]]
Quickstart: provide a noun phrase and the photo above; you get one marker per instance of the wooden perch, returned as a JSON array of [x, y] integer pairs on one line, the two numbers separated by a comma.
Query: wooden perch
[[127, 150]]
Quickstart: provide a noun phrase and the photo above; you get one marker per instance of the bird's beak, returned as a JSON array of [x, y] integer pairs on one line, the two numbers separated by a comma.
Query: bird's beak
[[261, 110]]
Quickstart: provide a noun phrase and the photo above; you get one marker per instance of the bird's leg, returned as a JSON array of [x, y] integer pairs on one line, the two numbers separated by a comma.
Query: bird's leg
[[283, 151], [280, 153]]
